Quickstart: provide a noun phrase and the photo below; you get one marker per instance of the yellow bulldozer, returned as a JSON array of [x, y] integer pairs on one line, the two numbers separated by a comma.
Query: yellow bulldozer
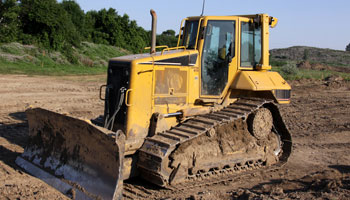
[[206, 107]]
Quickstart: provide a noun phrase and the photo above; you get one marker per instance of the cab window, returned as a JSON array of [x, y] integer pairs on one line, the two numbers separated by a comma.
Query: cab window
[[250, 44], [190, 34]]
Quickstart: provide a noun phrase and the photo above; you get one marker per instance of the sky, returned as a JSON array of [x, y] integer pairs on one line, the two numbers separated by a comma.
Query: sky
[[316, 23]]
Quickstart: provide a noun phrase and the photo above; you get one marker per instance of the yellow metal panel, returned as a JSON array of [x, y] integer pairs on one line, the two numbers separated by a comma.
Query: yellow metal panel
[[265, 33], [259, 81], [283, 102], [171, 81], [140, 100], [278, 81], [193, 84]]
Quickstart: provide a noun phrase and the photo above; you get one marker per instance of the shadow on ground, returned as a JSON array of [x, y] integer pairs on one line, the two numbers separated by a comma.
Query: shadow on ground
[[13, 137], [15, 133], [19, 116], [341, 168]]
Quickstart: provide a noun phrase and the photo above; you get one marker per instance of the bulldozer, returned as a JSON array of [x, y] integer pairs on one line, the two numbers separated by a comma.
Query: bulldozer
[[207, 107]]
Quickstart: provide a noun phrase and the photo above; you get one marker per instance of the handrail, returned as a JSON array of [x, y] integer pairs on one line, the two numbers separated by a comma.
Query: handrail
[[173, 48], [178, 40], [157, 47], [127, 98]]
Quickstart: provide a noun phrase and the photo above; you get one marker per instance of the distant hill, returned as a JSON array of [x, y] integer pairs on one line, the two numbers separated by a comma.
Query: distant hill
[[328, 57]]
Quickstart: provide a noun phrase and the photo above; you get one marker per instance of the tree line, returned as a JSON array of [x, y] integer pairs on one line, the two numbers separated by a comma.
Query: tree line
[[61, 26]]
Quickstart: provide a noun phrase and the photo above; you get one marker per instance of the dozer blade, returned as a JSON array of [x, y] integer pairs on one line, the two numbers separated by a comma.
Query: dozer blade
[[81, 160]]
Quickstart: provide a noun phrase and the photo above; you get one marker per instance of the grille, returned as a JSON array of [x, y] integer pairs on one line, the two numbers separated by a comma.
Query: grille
[[282, 94]]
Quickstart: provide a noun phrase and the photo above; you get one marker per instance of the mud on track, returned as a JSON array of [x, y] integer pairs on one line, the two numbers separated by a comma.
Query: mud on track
[[318, 119]]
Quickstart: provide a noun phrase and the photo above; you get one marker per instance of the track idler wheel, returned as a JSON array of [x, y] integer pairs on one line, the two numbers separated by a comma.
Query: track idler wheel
[[260, 123]]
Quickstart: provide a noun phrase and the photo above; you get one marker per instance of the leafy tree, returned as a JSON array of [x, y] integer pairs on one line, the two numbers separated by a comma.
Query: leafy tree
[[136, 39], [111, 28], [76, 15], [167, 38], [9, 21], [169, 33], [348, 47], [2, 9], [100, 26], [90, 20], [48, 23], [60, 26]]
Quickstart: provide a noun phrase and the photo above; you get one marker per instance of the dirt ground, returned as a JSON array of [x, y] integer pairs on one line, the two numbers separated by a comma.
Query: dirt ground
[[318, 119]]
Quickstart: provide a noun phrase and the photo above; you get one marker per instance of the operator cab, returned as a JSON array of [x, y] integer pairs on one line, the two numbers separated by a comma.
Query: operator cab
[[225, 44]]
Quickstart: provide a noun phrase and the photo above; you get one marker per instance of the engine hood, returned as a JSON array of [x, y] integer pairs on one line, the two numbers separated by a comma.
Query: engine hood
[[177, 57]]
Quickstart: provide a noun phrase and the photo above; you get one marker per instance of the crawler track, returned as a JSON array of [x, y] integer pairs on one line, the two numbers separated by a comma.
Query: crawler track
[[136, 191], [155, 156]]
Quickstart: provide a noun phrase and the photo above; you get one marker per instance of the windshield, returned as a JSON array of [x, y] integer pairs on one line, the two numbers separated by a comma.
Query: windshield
[[190, 34]]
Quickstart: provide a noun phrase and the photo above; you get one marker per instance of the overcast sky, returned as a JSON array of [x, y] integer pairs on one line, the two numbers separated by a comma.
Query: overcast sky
[[317, 23]]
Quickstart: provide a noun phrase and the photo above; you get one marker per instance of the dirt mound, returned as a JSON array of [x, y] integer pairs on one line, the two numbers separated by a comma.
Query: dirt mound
[[304, 65], [341, 69], [322, 67], [334, 82], [334, 78]]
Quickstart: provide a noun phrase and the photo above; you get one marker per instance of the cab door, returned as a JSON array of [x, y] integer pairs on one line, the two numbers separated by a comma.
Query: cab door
[[217, 56]]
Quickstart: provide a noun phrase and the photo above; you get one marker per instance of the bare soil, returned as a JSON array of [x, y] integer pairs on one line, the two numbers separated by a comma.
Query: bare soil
[[322, 67], [318, 119]]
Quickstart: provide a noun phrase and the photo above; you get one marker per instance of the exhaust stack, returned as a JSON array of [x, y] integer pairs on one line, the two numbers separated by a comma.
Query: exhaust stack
[[154, 31]]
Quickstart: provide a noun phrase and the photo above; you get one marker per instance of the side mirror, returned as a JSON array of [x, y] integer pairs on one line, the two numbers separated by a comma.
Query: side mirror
[[273, 22]]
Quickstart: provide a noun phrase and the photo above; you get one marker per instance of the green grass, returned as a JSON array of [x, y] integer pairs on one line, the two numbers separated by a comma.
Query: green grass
[[51, 69], [90, 59], [12, 48], [100, 51], [311, 74]]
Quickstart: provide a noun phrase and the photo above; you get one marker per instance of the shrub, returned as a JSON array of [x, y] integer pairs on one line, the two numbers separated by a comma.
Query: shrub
[[277, 63], [289, 69], [69, 53]]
